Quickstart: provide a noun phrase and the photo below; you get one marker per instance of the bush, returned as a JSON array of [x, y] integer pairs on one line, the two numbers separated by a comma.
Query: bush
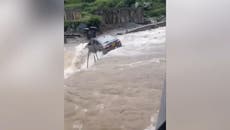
[[104, 4], [71, 24], [91, 20], [88, 1], [156, 12]]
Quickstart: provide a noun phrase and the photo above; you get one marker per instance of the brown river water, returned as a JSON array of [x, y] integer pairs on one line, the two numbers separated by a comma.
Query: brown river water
[[121, 91]]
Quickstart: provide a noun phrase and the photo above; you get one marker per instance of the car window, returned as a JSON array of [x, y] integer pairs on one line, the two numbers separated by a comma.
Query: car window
[[106, 39]]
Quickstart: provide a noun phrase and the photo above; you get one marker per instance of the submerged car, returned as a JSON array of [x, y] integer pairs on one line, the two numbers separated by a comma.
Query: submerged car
[[104, 43]]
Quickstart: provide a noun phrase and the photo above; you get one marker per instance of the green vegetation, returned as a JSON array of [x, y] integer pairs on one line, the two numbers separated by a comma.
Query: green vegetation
[[90, 19], [72, 24], [152, 8]]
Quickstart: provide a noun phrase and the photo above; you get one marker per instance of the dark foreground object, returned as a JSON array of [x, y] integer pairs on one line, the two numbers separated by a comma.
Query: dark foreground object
[[163, 126], [161, 122]]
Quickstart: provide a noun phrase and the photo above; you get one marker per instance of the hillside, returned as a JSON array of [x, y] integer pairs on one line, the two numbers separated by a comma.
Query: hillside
[[152, 8]]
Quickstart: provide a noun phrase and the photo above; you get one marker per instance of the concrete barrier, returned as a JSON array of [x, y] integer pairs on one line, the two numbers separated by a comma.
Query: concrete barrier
[[147, 27]]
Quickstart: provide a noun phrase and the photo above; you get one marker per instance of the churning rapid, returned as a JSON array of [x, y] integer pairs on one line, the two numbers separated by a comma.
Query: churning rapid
[[121, 90], [133, 45]]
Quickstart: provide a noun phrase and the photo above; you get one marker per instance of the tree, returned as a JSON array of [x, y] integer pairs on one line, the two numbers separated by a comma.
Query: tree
[[129, 3], [163, 1], [88, 1]]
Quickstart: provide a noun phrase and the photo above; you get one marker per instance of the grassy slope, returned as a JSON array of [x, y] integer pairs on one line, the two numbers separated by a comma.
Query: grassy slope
[[88, 7]]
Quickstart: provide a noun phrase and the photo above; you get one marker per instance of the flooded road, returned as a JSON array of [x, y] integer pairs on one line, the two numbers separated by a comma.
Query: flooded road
[[121, 91]]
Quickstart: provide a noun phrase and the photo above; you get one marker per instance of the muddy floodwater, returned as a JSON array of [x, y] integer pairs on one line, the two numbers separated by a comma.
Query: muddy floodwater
[[121, 91]]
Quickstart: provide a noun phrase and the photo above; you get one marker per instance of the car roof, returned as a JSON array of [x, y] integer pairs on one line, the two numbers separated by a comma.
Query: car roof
[[105, 39]]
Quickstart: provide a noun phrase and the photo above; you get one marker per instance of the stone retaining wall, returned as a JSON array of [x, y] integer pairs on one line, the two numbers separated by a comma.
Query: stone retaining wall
[[72, 14], [122, 15], [111, 16]]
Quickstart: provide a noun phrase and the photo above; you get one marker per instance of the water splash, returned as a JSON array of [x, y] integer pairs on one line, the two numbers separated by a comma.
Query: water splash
[[79, 62], [134, 44], [139, 43]]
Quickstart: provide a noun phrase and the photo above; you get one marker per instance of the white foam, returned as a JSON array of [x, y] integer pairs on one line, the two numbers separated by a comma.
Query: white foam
[[79, 58], [138, 43], [133, 44], [79, 62]]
